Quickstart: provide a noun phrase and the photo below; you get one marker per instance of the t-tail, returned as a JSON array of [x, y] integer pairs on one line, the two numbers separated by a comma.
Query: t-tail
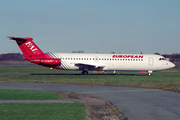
[[34, 54]]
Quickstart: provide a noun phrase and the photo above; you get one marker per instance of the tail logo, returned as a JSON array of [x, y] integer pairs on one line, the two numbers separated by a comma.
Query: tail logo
[[31, 46]]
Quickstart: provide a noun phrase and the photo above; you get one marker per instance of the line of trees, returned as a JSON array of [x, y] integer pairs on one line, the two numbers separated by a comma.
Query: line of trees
[[175, 57], [11, 57]]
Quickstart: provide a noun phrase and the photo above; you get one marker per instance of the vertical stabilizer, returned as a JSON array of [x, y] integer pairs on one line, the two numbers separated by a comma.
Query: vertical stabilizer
[[27, 46], [33, 54]]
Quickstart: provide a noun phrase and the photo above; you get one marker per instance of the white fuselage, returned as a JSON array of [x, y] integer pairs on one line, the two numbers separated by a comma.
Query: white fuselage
[[115, 62]]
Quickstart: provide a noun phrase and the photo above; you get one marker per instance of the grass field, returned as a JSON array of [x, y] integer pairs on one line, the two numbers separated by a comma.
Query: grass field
[[6, 94], [166, 80], [44, 111], [53, 111]]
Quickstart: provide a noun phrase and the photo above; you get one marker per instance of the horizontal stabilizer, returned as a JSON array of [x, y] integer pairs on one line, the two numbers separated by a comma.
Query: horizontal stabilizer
[[20, 39]]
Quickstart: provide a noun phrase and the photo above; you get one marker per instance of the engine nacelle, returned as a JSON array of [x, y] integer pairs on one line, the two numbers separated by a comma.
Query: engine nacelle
[[46, 61]]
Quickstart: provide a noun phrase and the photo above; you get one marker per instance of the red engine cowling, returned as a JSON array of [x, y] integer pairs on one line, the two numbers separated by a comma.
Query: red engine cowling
[[46, 61]]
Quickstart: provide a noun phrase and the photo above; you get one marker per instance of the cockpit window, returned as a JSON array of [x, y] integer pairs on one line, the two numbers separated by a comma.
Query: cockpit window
[[162, 58]]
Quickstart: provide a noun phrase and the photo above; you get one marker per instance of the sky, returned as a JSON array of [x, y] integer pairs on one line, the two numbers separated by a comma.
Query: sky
[[104, 26]]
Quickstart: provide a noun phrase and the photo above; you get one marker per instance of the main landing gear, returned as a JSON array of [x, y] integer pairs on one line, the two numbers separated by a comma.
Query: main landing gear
[[150, 73], [85, 72]]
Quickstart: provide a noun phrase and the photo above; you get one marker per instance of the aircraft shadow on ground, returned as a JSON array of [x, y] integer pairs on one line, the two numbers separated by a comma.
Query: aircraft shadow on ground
[[88, 74]]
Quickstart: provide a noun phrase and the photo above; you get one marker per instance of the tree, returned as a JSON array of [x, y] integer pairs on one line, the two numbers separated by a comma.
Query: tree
[[11, 57]]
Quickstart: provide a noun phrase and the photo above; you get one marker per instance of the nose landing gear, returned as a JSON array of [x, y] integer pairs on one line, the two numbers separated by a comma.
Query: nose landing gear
[[150, 73]]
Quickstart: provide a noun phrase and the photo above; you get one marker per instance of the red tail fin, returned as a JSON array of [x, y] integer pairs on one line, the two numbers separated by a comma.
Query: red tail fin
[[33, 54], [27, 46]]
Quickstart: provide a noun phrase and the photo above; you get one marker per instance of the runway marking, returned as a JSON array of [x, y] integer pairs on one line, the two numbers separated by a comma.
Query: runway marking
[[118, 91]]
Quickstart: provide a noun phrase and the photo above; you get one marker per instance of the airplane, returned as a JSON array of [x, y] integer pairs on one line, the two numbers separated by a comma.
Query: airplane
[[96, 62]]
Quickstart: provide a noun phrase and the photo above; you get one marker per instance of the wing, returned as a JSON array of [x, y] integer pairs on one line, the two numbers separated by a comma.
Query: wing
[[83, 66]]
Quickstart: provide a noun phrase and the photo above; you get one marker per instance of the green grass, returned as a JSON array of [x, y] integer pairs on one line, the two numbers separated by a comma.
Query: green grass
[[166, 80], [25, 70], [54, 111], [8, 94]]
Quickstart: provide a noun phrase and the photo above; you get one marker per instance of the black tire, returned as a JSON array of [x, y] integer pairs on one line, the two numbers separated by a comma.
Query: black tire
[[85, 72]]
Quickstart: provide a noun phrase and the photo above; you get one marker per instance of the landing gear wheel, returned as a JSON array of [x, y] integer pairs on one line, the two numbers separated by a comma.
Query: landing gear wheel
[[150, 73], [85, 72]]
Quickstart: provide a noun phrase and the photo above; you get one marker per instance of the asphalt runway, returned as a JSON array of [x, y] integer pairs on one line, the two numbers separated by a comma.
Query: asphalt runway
[[136, 103]]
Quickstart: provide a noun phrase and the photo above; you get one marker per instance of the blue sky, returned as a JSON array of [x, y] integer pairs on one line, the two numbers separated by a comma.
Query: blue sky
[[121, 26]]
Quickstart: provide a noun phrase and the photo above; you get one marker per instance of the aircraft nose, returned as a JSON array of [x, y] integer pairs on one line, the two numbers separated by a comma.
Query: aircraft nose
[[172, 65]]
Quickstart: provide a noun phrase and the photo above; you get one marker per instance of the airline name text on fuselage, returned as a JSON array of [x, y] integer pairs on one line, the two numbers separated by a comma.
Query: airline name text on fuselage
[[127, 56]]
